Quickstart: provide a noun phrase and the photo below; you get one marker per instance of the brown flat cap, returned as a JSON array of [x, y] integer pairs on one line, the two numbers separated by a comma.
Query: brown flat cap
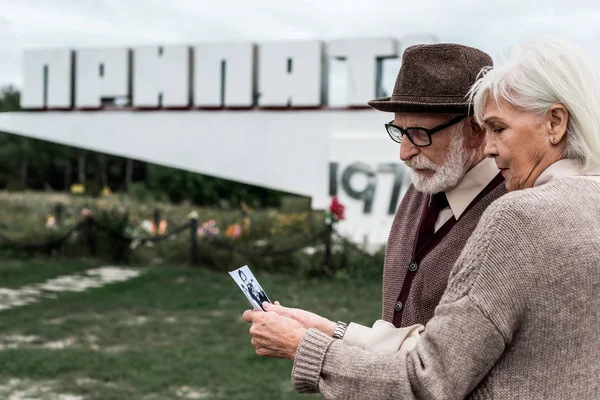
[[434, 78]]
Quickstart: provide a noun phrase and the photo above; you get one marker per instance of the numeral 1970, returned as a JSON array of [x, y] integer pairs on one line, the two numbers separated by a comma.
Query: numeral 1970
[[367, 194]]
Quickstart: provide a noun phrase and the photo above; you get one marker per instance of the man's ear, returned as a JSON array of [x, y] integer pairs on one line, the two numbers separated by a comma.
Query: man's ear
[[474, 134]]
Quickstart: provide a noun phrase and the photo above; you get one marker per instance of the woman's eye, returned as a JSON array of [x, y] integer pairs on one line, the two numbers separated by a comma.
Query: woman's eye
[[497, 129]]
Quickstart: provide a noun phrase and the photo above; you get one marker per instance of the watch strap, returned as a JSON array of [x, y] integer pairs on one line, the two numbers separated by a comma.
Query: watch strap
[[340, 330]]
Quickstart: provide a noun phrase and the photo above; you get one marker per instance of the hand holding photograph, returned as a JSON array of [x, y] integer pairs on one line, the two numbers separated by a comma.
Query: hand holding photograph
[[250, 286]]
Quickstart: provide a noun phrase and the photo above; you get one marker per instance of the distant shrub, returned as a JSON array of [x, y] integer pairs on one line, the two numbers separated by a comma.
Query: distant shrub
[[114, 225], [140, 192], [92, 189], [292, 243], [15, 185]]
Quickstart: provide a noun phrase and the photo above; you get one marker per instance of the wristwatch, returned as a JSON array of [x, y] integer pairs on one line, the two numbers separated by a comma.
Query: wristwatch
[[340, 330]]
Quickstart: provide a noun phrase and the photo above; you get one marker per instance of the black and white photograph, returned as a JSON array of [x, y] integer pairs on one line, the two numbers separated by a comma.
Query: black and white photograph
[[250, 286]]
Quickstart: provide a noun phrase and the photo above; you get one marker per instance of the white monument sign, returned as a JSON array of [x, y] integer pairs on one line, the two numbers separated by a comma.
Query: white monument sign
[[254, 113]]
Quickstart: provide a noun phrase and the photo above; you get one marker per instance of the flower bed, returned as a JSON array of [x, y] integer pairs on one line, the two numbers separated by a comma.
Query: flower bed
[[128, 232]]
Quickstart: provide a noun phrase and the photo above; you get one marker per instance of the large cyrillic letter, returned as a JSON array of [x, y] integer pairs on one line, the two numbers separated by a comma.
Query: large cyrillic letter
[[290, 74], [101, 74], [161, 76], [363, 59], [47, 79], [224, 75]]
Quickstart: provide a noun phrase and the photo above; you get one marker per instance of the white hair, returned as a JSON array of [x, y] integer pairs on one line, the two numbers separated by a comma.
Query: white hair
[[544, 72]]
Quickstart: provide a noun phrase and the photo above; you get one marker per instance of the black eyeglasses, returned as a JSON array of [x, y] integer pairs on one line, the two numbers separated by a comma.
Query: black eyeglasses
[[420, 137]]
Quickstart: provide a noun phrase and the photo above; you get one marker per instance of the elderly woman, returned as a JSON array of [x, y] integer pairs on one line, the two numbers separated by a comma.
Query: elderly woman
[[520, 316]]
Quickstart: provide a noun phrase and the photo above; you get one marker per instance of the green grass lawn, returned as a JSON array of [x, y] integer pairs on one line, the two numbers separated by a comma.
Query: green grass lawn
[[156, 335]]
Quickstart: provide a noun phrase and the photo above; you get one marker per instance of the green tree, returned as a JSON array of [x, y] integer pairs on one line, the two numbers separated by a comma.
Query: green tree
[[10, 99]]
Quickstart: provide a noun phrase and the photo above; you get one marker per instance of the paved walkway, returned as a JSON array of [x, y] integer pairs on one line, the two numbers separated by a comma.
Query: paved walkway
[[92, 278]]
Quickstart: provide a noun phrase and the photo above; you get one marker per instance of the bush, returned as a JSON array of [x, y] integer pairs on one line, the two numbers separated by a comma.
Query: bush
[[113, 227], [92, 189], [14, 185], [205, 190], [260, 238], [295, 204], [140, 192]]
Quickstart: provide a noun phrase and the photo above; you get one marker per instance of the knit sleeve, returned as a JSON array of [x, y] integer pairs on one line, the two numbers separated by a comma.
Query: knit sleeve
[[464, 339], [457, 349]]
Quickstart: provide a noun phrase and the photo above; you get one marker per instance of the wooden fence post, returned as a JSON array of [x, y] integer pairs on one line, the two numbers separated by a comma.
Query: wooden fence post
[[156, 218], [58, 209], [193, 241], [90, 235]]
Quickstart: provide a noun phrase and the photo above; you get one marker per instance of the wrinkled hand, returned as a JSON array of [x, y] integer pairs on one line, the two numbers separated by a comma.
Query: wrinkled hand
[[273, 335], [306, 318]]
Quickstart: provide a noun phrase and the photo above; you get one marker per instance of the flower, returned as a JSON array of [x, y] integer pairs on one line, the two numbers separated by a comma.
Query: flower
[[50, 221], [310, 250], [148, 226], [246, 210], [234, 231], [105, 191], [86, 213], [337, 209], [162, 227], [208, 228], [261, 243], [77, 188], [246, 222]]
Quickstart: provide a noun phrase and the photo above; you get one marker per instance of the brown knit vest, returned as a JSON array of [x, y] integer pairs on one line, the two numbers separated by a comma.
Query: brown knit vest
[[430, 278]]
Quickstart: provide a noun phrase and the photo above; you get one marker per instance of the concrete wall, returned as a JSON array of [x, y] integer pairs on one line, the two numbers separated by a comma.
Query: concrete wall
[[294, 151]]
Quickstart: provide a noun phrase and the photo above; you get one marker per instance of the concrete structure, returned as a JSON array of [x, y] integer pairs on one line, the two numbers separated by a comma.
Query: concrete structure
[[254, 113]]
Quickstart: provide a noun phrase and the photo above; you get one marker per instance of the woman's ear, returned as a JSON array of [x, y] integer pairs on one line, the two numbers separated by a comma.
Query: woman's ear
[[558, 120]]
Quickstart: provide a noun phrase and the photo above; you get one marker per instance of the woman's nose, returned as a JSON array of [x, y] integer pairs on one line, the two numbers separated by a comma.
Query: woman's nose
[[490, 149]]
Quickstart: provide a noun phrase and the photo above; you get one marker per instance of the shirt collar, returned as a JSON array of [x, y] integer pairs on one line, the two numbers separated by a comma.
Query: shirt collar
[[474, 181], [563, 169]]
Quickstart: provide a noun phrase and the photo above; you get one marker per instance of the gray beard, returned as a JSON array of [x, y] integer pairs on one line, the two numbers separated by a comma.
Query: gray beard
[[447, 175]]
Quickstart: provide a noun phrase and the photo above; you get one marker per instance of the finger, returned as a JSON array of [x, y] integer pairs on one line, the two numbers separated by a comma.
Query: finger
[[261, 352], [267, 353], [249, 315], [277, 303], [279, 309], [258, 344]]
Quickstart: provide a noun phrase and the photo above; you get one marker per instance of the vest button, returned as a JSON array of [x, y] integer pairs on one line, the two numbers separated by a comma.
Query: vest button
[[413, 266], [398, 307]]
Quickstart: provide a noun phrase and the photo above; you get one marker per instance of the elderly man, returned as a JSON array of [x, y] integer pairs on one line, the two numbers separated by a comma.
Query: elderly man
[[452, 185]]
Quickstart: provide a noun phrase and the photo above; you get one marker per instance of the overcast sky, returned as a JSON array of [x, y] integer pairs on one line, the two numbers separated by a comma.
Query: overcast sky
[[489, 25]]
